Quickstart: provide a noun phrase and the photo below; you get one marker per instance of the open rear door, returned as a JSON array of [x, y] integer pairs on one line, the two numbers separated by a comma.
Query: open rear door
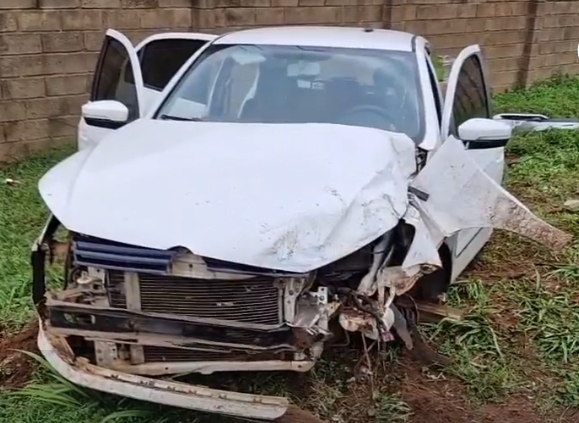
[[136, 77], [172, 50], [117, 77]]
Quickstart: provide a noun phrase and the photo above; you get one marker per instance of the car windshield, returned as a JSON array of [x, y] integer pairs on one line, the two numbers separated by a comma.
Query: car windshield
[[295, 84]]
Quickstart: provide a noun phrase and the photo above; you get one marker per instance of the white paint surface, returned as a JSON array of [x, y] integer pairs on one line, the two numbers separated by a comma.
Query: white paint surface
[[479, 129], [111, 110], [322, 36], [291, 197]]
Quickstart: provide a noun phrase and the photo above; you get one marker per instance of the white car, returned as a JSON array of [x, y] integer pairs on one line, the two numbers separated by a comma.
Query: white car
[[287, 186]]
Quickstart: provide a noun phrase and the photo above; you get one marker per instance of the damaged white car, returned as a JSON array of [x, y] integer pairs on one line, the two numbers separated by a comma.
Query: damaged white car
[[288, 186]]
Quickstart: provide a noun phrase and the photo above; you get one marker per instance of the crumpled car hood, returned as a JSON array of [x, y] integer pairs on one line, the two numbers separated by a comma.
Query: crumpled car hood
[[289, 197]]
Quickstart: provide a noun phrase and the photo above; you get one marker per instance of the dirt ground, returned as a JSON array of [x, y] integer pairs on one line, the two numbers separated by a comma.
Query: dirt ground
[[443, 402], [15, 367]]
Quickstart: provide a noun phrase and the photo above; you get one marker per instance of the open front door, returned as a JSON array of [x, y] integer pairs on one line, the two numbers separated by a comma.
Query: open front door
[[468, 97], [117, 81]]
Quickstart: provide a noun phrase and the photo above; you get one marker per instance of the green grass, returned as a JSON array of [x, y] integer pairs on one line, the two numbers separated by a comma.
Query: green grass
[[22, 216], [519, 336]]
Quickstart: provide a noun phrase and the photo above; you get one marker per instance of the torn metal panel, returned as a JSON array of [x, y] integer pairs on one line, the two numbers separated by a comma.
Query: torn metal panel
[[397, 278], [462, 196]]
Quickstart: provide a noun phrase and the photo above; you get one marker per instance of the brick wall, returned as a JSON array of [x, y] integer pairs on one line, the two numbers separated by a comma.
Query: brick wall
[[48, 48], [522, 40]]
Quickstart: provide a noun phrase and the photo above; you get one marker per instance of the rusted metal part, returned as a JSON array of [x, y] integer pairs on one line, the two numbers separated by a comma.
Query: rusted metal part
[[353, 320], [396, 278]]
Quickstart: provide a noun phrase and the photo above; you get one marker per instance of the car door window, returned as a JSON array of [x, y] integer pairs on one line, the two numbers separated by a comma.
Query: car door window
[[161, 59], [114, 78], [470, 100]]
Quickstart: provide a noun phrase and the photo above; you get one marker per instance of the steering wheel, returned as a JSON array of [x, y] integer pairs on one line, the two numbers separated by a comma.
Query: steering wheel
[[369, 116]]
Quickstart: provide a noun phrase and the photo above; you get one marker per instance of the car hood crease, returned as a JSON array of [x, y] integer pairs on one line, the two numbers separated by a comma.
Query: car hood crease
[[292, 197]]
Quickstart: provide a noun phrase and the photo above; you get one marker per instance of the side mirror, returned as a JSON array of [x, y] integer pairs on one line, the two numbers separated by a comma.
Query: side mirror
[[109, 114], [479, 133]]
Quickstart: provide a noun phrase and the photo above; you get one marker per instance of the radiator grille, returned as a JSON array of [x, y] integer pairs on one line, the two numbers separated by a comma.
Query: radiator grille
[[162, 354], [255, 300]]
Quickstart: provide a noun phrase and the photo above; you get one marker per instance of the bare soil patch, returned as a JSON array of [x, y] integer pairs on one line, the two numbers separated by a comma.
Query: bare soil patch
[[444, 401], [16, 368]]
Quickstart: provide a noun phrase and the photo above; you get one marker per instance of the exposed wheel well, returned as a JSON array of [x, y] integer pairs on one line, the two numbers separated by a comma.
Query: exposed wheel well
[[431, 286]]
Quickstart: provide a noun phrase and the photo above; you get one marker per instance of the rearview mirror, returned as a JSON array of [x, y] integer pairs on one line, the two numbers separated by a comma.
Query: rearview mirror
[[479, 133], [108, 114]]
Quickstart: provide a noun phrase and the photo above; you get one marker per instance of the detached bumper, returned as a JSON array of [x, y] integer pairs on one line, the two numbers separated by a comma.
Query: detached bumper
[[175, 394]]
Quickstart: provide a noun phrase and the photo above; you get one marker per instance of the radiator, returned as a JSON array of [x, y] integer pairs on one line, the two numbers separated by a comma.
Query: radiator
[[256, 300]]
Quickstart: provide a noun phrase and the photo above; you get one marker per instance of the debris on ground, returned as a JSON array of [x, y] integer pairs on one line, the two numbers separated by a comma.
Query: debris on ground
[[10, 181], [571, 205], [527, 122]]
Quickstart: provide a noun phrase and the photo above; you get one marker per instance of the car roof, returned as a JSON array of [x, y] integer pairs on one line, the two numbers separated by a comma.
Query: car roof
[[322, 36]]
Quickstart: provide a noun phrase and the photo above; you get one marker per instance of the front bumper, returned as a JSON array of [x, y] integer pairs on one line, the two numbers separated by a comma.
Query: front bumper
[[56, 351], [78, 370]]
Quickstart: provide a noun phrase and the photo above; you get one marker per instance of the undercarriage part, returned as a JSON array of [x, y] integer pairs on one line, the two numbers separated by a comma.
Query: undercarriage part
[[406, 328], [425, 354], [402, 326], [431, 286], [429, 312]]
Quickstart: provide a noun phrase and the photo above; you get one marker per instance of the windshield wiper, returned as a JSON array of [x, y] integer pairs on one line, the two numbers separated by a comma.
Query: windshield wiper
[[179, 118]]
